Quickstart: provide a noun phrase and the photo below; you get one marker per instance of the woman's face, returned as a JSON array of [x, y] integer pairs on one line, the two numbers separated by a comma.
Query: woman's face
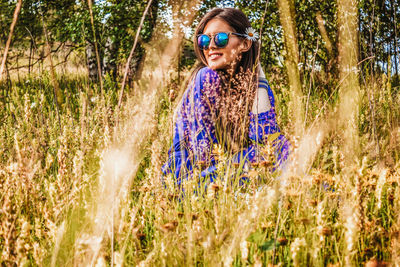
[[227, 57]]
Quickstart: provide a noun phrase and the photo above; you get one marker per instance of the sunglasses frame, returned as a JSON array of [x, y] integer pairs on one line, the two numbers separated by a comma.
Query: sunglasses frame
[[212, 37]]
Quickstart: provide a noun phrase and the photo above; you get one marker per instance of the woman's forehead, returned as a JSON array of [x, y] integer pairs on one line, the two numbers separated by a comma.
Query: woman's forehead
[[217, 25]]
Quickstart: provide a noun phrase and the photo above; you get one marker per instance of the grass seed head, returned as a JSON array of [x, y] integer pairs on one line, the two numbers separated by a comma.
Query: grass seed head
[[255, 164], [326, 231], [282, 241], [169, 226], [376, 263], [253, 174], [313, 202], [236, 164], [215, 187]]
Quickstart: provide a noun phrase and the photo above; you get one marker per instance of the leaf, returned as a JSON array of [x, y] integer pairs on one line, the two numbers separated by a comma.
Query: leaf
[[273, 137], [269, 245], [256, 237]]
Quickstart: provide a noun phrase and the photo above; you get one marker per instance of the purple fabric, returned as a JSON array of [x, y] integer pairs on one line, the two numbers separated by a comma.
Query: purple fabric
[[194, 130]]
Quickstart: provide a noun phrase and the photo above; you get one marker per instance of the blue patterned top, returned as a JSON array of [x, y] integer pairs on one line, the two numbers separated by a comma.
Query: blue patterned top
[[194, 130]]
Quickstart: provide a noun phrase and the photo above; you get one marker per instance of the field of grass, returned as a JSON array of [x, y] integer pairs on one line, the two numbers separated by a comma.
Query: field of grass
[[79, 184]]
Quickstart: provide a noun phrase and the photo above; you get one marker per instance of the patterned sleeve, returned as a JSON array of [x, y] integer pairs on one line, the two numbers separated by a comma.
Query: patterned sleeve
[[194, 129], [264, 128], [201, 116]]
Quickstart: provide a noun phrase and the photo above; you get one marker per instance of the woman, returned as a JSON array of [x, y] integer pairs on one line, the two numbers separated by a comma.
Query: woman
[[227, 103]]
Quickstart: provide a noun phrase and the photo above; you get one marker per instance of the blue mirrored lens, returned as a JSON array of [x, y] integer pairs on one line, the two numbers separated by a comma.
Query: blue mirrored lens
[[221, 39], [203, 41]]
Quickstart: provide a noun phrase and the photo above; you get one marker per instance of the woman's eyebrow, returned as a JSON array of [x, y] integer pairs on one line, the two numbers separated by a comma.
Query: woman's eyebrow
[[215, 32]]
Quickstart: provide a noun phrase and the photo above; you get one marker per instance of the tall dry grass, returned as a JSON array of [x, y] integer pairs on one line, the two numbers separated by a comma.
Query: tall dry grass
[[82, 187]]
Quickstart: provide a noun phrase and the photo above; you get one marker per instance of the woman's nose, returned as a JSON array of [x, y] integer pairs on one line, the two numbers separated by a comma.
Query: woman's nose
[[212, 43]]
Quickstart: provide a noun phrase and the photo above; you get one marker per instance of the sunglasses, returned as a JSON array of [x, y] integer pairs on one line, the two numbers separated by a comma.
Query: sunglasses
[[221, 39]]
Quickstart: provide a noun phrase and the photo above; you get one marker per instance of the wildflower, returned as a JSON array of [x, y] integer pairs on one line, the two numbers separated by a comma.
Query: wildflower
[[257, 262], [351, 226], [295, 249], [118, 259], [320, 220], [244, 250], [207, 243], [379, 187], [251, 33], [101, 262]]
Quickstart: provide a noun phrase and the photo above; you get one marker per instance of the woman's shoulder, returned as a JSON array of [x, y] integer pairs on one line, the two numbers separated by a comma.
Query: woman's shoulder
[[206, 73], [204, 77], [263, 82]]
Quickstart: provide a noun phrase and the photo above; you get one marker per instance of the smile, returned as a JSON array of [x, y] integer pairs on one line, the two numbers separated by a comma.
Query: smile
[[215, 56]]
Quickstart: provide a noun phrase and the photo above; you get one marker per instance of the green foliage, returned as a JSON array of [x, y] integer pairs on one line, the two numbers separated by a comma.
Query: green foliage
[[51, 161]]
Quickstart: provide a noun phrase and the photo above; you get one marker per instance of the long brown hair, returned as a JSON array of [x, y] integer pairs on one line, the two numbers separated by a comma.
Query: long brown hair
[[237, 89], [239, 22]]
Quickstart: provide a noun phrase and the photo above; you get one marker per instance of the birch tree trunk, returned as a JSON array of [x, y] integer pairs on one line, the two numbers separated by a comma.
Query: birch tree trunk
[[15, 18], [95, 46], [348, 73], [287, 19], [91, 62]]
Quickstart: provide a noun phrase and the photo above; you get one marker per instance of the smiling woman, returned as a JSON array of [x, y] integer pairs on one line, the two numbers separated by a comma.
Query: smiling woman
[[226, 48], [228, 103]]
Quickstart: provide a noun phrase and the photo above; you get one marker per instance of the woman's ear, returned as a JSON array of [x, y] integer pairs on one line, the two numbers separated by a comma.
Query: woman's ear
[[246, 45]]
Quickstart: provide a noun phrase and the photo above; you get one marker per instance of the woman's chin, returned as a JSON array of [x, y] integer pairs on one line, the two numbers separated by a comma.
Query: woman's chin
[[213, 66], [216, 66]]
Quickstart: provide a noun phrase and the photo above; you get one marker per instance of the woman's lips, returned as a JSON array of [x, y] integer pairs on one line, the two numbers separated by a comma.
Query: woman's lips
[[215, 56]]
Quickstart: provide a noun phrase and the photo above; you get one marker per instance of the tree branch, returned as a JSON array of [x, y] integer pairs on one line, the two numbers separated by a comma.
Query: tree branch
[[131, 53], [15, 18]]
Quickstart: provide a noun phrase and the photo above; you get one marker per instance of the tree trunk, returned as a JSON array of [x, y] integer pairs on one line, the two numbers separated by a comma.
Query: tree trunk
[[56, 87], [287, 18], [15, 18], [110, 58], [396, 53], [30, 57], [91, 62], [132, 51], [329, 47], [324, 34], [95, 46], [348, 73]]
